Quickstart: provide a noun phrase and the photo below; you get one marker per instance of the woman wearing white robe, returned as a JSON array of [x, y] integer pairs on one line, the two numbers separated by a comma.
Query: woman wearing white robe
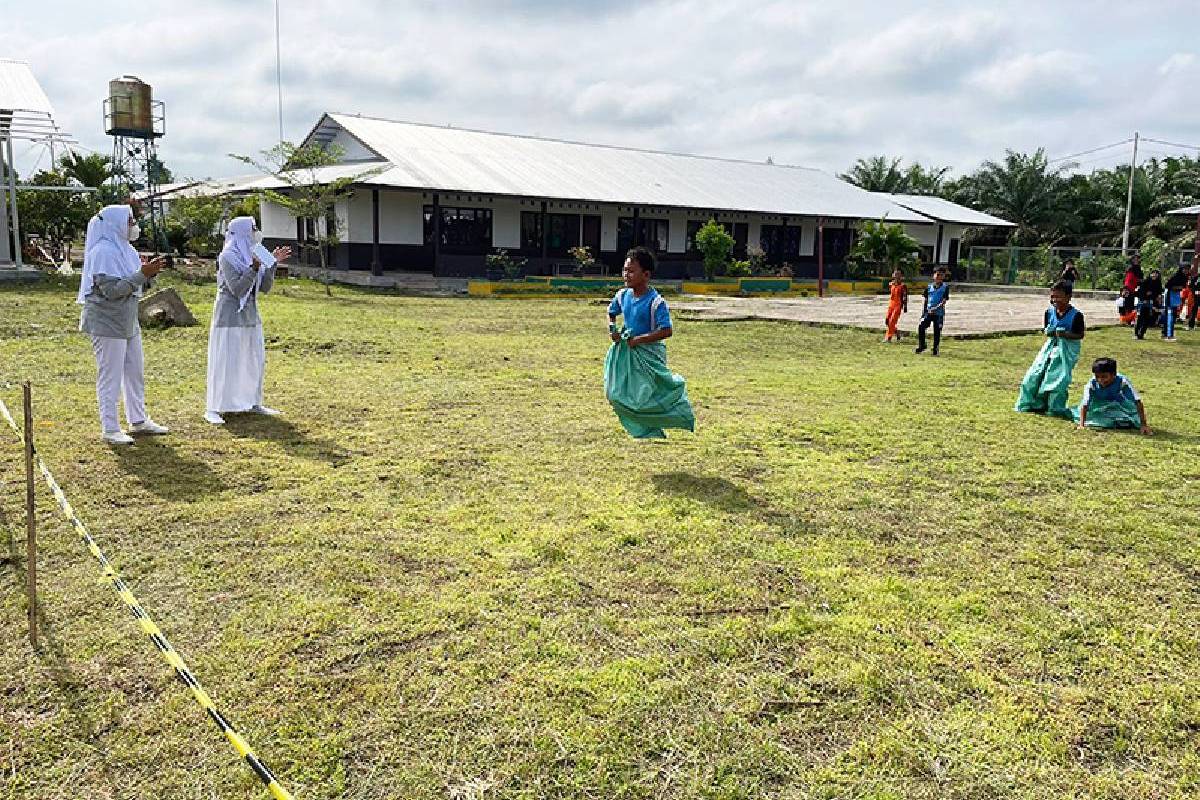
[[236, 350], [114, 276]]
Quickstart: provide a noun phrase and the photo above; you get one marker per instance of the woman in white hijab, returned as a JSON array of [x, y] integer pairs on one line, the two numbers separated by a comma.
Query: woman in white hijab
[[236, 352], [114, 276]]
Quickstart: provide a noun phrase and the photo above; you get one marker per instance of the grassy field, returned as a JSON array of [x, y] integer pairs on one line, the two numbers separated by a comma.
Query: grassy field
[[447, 573]]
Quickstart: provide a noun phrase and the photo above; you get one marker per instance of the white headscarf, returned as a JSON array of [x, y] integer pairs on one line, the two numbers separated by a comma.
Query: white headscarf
[[106, 250], [239, 252]]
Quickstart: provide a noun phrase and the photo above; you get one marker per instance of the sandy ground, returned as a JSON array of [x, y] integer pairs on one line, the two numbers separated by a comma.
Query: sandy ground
[[967, 314]]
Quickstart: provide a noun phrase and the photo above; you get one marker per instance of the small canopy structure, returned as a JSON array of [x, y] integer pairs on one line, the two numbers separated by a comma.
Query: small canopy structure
[[1191, 211], [25, 114]]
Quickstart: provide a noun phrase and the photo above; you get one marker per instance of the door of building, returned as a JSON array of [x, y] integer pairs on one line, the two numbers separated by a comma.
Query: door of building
[[591, 234]]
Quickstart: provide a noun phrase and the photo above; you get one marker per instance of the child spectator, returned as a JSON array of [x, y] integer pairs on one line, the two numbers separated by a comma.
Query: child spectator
[[1048, 380], [933, 313], [897, 305], [1069, 273], [645, 394], [1173, 302], [1127, 307], [1149, 303], [1110, 401], [1193, 302]]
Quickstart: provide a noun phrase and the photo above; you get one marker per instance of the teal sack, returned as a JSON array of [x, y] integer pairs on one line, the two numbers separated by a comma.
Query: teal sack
[[1121, 414], [646, 395], [1048, 380]]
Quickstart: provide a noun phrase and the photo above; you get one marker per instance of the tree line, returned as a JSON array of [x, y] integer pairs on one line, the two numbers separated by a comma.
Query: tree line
[[1050, 202]]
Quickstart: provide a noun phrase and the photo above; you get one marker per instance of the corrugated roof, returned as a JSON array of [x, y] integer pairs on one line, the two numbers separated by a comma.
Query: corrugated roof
[[945, 211], [455, 159], [1190, 211], [19, 90]]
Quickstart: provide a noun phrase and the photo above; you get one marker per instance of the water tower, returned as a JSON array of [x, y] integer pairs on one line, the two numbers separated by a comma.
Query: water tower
[[136, 121]]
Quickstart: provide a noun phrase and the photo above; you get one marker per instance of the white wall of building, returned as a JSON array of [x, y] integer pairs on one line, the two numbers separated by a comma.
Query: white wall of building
[[354, 149], [277, 223]]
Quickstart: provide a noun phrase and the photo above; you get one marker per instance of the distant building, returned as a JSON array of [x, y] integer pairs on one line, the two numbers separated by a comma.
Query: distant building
[[443, 198]]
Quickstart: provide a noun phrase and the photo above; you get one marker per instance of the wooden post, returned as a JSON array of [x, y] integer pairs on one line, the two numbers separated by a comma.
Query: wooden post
[[820, 256], [376, 266], [30, 521]]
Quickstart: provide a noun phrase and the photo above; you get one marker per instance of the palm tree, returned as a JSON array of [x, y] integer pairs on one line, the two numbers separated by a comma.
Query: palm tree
[[876, 174], [90, 170], [1025, 190], [884, 174]]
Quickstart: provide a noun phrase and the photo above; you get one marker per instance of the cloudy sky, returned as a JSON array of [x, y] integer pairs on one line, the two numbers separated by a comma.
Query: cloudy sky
[[818, 84]]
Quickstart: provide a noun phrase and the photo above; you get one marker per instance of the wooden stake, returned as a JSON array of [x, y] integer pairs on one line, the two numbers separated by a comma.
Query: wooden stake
[[30, 521]]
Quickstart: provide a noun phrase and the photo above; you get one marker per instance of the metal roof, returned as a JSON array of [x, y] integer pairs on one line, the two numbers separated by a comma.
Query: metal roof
[[25, 111], [943, 210], [19, 90], [430, 157], [1190, 211]]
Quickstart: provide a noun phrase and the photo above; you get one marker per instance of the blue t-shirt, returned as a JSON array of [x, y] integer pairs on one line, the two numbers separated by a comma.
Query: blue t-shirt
[[1120, 389], [935, 294], [643, 314]]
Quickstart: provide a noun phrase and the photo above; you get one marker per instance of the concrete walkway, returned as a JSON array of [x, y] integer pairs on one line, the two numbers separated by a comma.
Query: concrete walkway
[[968, 315]]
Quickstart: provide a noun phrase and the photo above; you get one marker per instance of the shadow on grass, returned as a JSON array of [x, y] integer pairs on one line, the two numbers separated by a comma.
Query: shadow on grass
[[50, 654], [717, 492], [295, 441], [167, 473]]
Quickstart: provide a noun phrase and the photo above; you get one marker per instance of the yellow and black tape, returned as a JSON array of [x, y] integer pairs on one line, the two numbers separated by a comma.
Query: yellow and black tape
[[148, 626]]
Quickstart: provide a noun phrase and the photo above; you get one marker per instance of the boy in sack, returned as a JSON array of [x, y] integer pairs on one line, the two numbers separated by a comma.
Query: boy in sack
[[1046, 383], [646, 395], [1110, 401]]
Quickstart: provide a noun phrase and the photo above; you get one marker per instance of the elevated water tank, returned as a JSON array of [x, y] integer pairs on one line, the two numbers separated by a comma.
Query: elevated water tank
[[129, 110]]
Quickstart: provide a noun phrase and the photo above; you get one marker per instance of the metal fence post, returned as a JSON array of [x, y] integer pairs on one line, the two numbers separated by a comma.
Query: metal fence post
[[30, 520]]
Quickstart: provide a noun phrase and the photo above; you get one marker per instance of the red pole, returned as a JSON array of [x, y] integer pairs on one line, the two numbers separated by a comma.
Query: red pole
[[820, 256]]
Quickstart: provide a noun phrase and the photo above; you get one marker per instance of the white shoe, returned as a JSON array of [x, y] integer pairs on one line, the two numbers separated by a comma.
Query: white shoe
[[150, 427], [266, 412], [214, 418], [117, 437]]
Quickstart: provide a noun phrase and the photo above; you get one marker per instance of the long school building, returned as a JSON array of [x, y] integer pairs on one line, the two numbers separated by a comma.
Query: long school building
[[439, 200]]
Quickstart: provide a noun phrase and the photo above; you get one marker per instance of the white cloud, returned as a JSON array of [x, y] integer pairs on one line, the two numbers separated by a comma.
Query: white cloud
[[1056, 77], [805, 82]]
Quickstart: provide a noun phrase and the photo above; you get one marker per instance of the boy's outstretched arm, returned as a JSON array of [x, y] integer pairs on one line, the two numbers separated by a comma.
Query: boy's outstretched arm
[[1142, 413], [1083, 416]]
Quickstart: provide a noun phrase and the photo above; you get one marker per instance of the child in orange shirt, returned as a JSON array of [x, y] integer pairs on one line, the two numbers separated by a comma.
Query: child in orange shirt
[[897, 304]]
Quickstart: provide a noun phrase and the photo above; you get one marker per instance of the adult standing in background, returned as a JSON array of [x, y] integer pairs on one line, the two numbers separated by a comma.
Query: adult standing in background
[[237, 353], [114, 276]]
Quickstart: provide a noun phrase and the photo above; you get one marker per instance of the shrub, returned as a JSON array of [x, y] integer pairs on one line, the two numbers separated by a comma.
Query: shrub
[[501, 261], [715, 243], [757, 258], [738, 269], [881, 244]]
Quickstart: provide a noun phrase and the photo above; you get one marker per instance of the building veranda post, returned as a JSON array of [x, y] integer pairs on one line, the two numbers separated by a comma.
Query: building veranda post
[[440, 199]]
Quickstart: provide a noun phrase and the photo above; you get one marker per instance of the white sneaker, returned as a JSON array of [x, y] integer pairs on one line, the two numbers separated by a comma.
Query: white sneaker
[[117, 437], [214, 418], [150, 427], [267, 412]]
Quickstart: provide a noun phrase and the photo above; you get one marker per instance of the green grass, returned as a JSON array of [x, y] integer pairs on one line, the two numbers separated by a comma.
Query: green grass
[[447, 573]]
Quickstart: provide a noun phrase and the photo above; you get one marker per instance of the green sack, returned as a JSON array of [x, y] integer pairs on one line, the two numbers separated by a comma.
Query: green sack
[[645, 394], [1044, 389], [1121, 414]]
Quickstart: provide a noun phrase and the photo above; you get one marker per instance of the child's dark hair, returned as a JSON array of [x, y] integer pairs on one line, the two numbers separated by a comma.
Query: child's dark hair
[[644, 258], [1108, 366], [1063, 286]]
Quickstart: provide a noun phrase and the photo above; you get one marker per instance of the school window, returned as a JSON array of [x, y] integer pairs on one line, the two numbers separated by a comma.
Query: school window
[[653, 234], [531, 233], [562, 233], [465, 231], [780, 243]]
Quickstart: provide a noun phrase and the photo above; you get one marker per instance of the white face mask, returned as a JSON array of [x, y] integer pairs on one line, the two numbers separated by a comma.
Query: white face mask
[[258, 237], [135, 232]]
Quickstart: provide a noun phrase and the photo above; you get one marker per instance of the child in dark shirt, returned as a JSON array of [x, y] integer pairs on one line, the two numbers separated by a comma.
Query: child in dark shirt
[[1149, 302]]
